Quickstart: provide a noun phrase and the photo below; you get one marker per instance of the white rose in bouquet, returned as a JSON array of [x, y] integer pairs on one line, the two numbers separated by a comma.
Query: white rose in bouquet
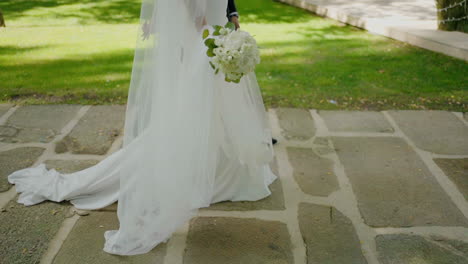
[[234, 53]]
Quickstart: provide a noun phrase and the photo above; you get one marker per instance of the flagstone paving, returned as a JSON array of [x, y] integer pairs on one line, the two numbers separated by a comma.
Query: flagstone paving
[[4, 108], [26, 232], [329, 235], [354, 121], [457, 171], [39, 123], [416, 249], [393, 187], [85, 243], [353, 187], [296, 123], [313, 173], [214, 240], [95, 132], [435, 131]]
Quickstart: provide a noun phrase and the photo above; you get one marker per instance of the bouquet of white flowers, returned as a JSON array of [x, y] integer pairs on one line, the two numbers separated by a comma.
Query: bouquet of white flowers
[[233, 52]]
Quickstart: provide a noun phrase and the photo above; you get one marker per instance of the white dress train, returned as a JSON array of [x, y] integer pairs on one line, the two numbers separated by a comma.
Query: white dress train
[[190, 138]]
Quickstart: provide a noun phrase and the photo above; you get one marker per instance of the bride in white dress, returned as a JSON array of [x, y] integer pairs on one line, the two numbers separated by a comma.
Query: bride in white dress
[[190, 138]]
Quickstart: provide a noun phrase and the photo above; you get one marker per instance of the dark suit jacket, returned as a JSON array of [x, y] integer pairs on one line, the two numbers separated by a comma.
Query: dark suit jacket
[[231, 9]]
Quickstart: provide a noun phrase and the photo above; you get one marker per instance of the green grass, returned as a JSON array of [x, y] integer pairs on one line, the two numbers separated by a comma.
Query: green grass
[[90, 64], [67, 52], [39, 13]]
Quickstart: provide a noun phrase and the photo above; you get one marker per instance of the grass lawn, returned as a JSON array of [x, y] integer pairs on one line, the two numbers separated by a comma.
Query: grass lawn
[[64, 51]]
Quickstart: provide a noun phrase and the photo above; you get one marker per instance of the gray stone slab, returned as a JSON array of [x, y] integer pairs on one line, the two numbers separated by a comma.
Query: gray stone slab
[[273, 202], [85, 242], [409, 249], [356, 121], [296, 124], [393, 186], [215, 240], [39, 123], [313, 173], [435, 131], [322, 141], [69, 166], [465, 115], [96, 131], [16, 159], [457, 171], [460, 246], [4, 108], [26, 232], [43, 116], [8, 132], [322, 146], [25, 135], [329, 236]]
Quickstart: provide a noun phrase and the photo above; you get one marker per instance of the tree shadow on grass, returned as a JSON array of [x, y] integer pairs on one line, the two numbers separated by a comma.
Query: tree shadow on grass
[[99, 78], [128, 11], [16, 50], [105, 11], [328, 63], [331, 62], [270, 12]]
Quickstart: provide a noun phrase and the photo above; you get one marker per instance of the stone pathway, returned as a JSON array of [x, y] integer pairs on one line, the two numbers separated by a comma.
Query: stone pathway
[[411, 21], [354, 187]]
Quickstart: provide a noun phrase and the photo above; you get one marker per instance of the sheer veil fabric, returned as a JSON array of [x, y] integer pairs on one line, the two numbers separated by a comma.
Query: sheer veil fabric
[[190, 138]]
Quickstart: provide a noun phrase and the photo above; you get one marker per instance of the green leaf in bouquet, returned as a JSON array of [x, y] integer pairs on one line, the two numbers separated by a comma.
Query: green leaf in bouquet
[[217, 27], [217, 70], [212, 65], [210, 43], [233, 81], [227, 79], [206, 33], [216, 30], [230, 25], [210, 53]]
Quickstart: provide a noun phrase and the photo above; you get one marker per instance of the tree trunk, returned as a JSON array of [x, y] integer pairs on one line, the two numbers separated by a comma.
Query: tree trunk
[[2, 21], [454, 11]]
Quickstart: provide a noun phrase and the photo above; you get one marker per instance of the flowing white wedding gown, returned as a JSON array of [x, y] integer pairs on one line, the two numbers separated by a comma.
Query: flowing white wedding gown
[[190, 138]]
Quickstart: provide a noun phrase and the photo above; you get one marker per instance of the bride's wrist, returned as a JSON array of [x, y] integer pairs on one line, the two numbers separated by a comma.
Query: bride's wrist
[[235, 20]]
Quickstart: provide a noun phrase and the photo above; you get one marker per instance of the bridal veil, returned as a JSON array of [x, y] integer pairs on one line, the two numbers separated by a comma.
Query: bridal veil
[[190, 138]]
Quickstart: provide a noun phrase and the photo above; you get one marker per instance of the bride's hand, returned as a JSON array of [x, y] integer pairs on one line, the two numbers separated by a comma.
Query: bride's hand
[[235, 20]]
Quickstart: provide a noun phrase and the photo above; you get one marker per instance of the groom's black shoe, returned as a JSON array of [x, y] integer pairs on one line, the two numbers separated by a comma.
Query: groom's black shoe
[[274, 141]]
